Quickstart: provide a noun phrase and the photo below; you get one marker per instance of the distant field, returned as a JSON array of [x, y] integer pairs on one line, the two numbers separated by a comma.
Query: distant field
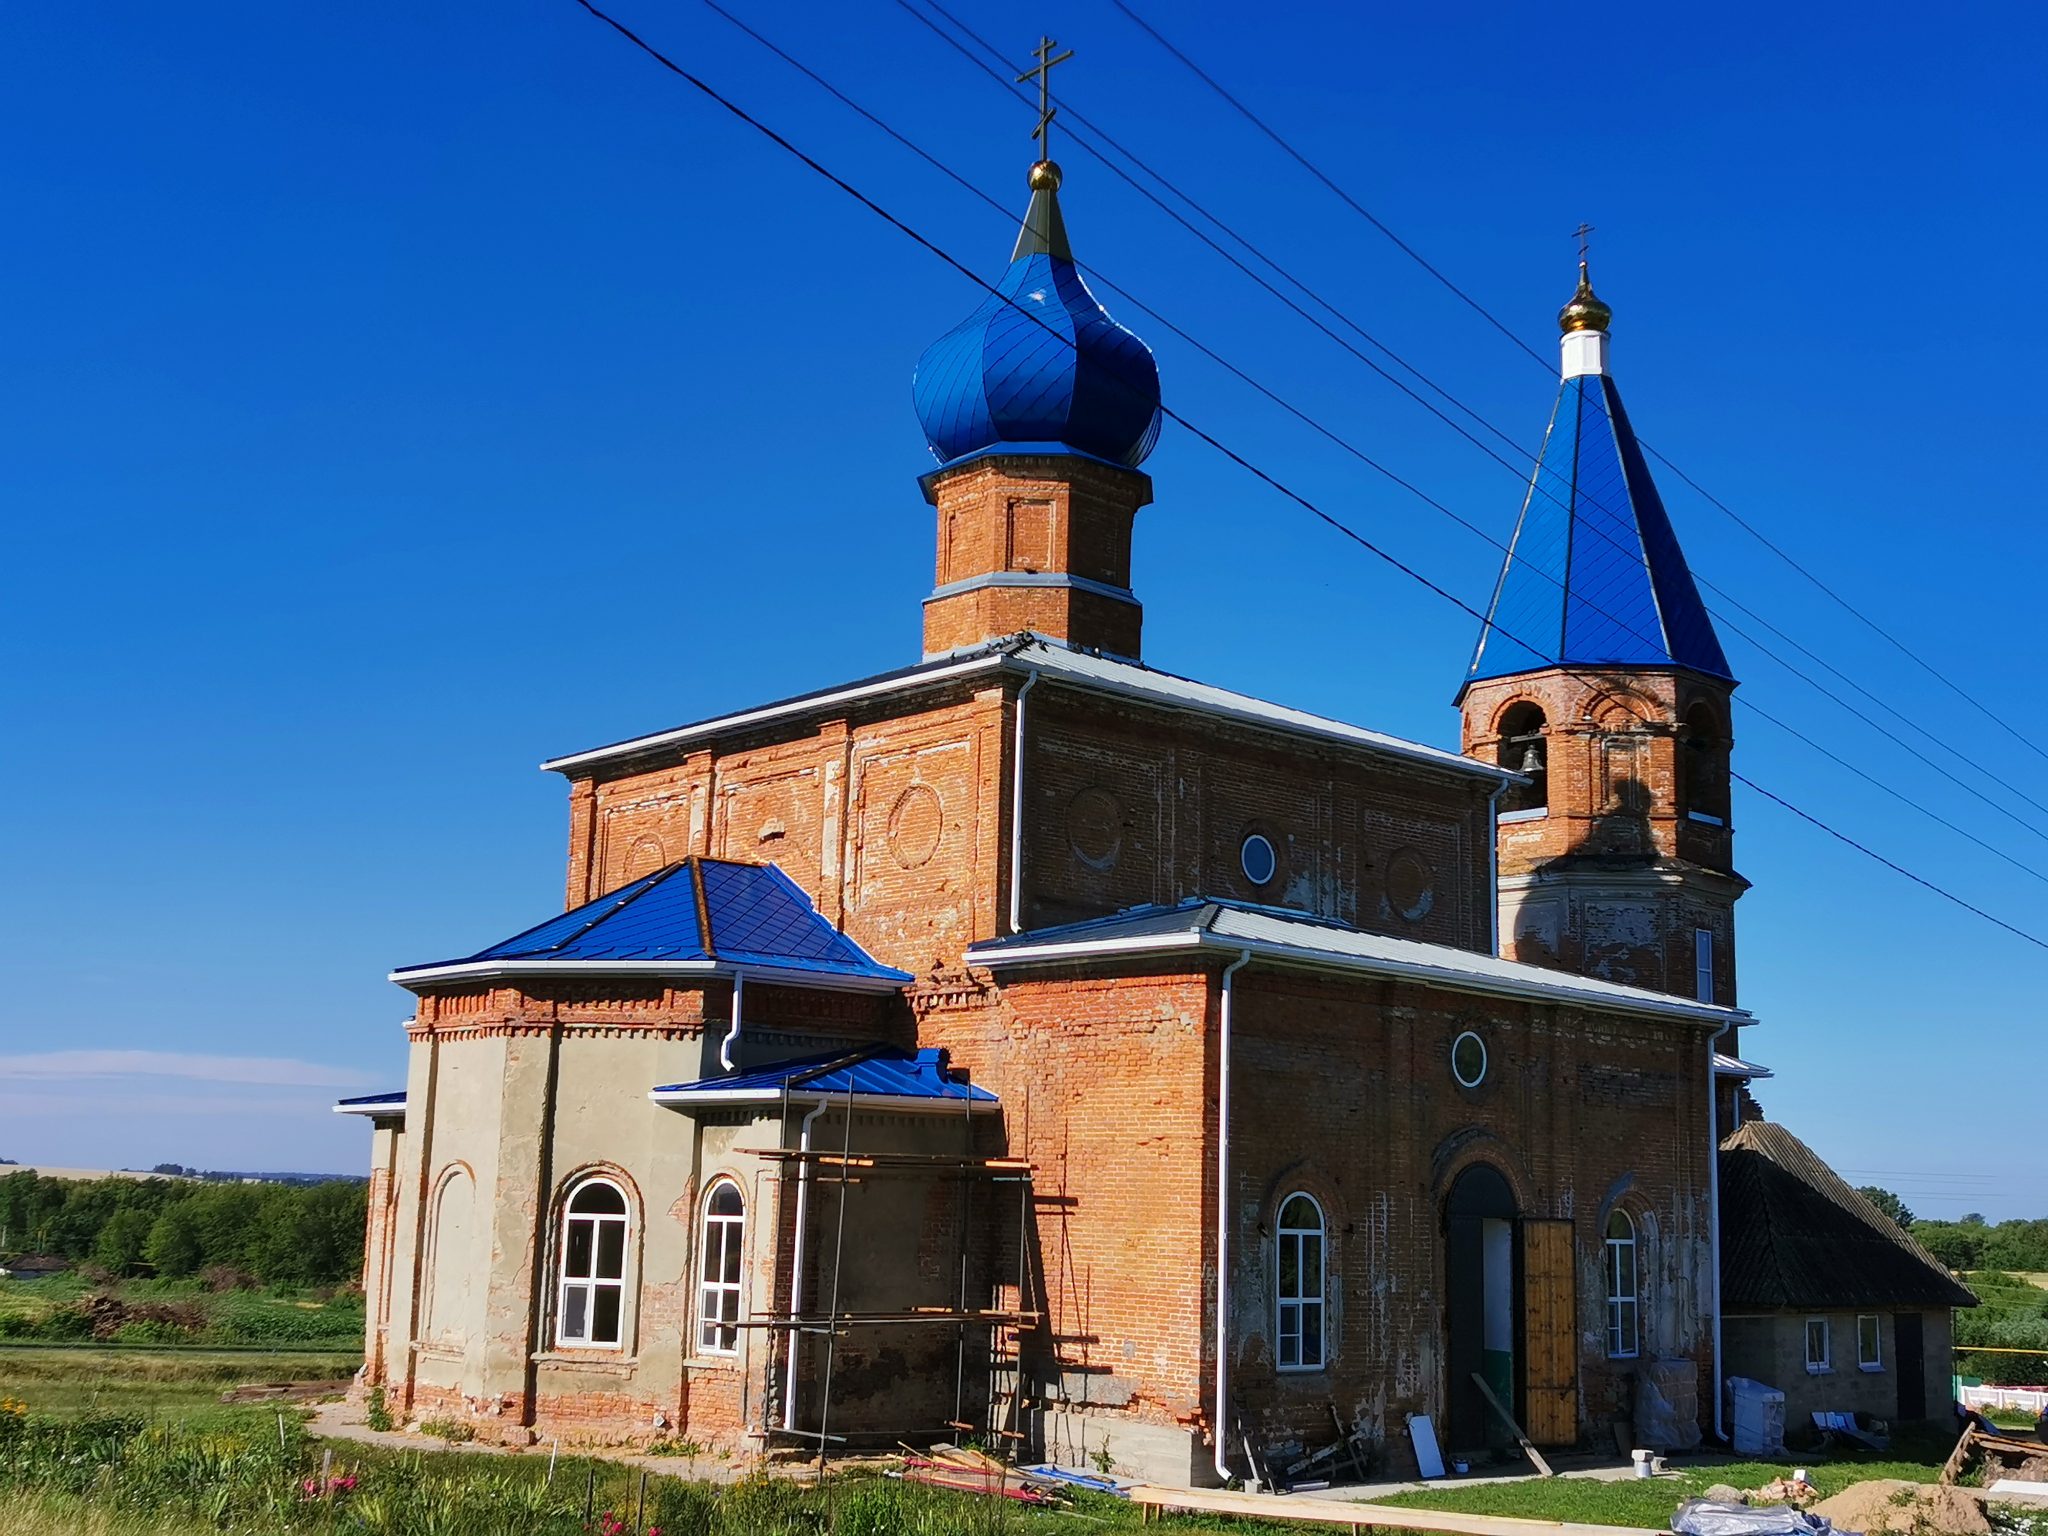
[[155, 1313]]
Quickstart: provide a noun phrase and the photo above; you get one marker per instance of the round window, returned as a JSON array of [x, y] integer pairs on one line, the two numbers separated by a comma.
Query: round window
[[1258, 859], [1468, 1060]]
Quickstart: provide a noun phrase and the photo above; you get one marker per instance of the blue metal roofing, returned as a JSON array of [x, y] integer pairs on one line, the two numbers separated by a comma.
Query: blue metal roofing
[[369, 1099], [1039, 365], [700, 910], [873, 1071], [1594, 574]]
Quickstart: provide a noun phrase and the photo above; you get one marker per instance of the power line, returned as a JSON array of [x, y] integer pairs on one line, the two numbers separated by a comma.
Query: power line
[[1741, 522], [1003, 80], [1082, 140], [1438, 506], [1262, 475]]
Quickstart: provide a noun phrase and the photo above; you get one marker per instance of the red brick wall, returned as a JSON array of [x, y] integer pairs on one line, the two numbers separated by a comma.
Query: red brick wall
[[1127, 804]]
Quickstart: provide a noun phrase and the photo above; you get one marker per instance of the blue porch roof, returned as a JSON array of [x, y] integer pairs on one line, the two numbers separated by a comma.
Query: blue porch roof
[[866, 1072], [695, 915], [1594, 574]]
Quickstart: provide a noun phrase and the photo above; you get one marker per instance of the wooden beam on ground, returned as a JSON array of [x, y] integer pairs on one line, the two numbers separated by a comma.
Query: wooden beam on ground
[[1303, 1509], [1515, 1429]]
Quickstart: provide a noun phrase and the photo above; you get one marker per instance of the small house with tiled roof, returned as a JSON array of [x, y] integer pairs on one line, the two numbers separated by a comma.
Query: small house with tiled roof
[[1824, 1296]]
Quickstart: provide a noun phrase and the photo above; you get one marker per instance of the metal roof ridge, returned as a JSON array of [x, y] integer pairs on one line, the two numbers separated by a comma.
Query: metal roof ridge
[[1262, 712]]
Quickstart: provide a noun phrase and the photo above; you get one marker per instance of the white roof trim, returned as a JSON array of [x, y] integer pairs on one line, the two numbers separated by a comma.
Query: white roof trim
[[685, 733], [1735, 1066], [1081, 669], [740, 1098], [388, 1110], [1430, 964], [485, 970], [1128, 680]]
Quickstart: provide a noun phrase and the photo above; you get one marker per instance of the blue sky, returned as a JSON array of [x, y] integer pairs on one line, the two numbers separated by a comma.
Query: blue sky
[[396, 396]]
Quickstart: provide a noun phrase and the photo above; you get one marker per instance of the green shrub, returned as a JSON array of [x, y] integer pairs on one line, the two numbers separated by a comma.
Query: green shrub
[[454, 1431], [378, 1416]]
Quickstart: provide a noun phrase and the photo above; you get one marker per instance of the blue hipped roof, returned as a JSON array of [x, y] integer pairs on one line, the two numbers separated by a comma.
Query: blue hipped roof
[[1594, 574], [700, 914], [872, 1071]]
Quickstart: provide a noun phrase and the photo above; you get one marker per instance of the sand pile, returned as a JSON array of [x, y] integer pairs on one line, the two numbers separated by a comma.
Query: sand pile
[[1887, 1505]]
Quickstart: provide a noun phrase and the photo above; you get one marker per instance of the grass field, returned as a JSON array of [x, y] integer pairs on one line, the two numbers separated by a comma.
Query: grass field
[[1650, 1503], [62, 1308], [184, 1385]]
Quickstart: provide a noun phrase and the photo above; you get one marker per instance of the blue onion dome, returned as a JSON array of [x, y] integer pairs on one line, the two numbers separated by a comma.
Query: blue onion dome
[[1040, 366]]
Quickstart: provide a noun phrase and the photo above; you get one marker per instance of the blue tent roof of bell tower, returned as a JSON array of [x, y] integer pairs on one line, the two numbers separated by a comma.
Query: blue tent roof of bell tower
[[1594, 575]]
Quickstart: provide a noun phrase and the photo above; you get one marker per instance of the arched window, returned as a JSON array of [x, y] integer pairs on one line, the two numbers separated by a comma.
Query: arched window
[[718, 1283], [1703, 765], [1299, 1293], [1526, 750], [592, 1304], [1623, 1307]]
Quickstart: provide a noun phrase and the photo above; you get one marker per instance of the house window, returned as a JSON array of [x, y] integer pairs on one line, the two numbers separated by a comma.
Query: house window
[[1703, 964], [1624, 1306], [1258, 859], [718, 1286], [1819, 1350], [593, 1286], [1869, 1343], [1300, 1291]]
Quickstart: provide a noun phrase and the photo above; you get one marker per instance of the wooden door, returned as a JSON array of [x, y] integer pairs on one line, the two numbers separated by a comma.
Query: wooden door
[[1909, 1350], [1550, 1333]]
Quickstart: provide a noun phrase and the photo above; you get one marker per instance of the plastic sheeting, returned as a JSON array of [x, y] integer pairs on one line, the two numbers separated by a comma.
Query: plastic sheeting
[[1668, 1405], [1697, 1517]]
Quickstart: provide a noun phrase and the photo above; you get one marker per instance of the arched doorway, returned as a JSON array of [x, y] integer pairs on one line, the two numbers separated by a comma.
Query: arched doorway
[[1481, 1333]]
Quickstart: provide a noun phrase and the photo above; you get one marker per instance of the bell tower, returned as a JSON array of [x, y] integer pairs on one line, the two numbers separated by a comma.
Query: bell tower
[[1039, 408], [1599, 676]]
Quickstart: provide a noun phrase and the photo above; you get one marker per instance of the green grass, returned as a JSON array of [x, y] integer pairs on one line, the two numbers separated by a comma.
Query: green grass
[[53, 1310], [184, 1385], [1650, 1503]]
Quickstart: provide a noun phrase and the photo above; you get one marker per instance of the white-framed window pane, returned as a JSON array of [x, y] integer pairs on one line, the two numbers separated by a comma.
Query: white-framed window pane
[[1703, 964], [1817, 1357], [720, 1271], [575, 1312], [592, 1273], [1298, 1255], [1869, 1343]]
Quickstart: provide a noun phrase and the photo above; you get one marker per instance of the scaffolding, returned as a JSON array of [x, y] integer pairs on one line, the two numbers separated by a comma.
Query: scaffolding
[[848, 1167]]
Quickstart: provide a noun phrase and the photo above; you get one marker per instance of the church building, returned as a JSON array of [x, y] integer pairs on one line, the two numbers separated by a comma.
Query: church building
[[1036, 1043]]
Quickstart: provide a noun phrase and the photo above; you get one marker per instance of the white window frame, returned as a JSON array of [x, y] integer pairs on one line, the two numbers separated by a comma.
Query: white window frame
[[1301, 1319], [1873, 1358], [1478, 1077], [1624, 1301], [1826, 1363], [721, 1239], [1244, 858], [1703, 964], [590, 1286]]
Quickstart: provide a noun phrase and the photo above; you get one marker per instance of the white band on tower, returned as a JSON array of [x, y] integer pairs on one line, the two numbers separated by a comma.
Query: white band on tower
[[1584, 352]]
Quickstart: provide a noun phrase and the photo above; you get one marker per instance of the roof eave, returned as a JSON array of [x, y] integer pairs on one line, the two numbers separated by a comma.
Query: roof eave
[[741, 1098], [577, 762], [414, 977], [1317, 959]]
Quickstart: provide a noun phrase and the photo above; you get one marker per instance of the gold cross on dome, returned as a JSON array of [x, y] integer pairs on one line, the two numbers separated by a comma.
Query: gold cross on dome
[[1043, 75], [1584, 235]]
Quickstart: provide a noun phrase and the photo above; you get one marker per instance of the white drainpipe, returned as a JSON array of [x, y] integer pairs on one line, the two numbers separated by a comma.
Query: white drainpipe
[[1714, 1214], [796, 1273], [1017, 814], [1220, 1431], [732, 1035]]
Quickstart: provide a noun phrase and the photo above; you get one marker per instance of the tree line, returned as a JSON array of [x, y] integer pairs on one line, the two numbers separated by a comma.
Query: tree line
[[277, 1234]]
